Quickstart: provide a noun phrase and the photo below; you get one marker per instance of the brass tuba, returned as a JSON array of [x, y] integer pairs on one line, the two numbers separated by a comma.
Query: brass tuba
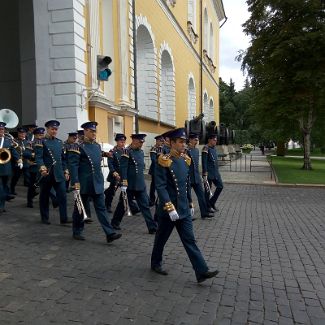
[[5, 156], [11, 119]]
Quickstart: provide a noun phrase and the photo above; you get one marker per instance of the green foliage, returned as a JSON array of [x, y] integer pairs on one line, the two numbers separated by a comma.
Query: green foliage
[[286, 66]]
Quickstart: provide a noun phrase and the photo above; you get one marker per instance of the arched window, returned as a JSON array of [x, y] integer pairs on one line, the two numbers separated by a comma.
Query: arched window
[[191, 99], [206, 110], [146, 74], [206, 30], [191, 10], [211, 44], [211, 114], [167, 89]]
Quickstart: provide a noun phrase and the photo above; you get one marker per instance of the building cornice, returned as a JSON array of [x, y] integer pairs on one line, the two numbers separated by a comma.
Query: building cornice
[[182, 34], [120, 109], [220, 10]]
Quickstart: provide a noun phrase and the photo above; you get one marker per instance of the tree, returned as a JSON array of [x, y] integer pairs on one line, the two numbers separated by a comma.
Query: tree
[[286, 64]]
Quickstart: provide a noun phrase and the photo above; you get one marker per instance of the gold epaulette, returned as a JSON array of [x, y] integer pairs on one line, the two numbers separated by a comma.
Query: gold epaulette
[[205, 149], [73, 147], [164, 160], [187, 159]]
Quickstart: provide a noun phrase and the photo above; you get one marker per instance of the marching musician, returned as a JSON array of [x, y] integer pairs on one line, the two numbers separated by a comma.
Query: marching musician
[[51, 163], [87, 180], [7, 153], [175, 207], [16, 170], [30, 131], [29, 155], [133, 183], [114, 176], [72, 138], [154, 152], [195, 177], [210, 170]]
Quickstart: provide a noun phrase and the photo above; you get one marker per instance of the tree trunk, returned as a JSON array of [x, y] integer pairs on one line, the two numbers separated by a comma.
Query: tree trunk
[[307, 160], [306, 127]]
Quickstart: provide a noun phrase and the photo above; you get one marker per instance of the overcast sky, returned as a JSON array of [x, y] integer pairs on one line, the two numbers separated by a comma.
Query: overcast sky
[[232, 39]]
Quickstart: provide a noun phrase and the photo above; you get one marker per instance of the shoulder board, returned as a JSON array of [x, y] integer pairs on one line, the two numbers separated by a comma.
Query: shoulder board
[[205, 149], [187, 159], [126, 152], [73, 147], [38, 143], [164, 160]]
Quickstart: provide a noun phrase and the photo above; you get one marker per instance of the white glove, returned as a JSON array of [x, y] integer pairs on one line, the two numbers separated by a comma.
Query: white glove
[[173, 215], [192, 212], [20, 165], [123, 188], [76, 193]]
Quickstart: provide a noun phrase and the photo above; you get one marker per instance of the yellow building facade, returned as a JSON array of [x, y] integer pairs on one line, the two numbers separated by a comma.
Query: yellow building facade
[[165, 64]]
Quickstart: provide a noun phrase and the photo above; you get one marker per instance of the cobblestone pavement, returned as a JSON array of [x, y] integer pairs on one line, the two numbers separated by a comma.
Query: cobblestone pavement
[[268, 243]]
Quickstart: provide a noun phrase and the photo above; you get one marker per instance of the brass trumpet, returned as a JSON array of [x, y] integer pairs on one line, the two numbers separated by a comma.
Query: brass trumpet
[[80, 205], [126, 203], [207, 187]]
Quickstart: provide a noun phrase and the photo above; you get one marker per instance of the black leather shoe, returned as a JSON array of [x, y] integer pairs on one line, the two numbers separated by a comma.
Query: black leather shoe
[[88, 220], [113, 237], [159, 270], [208, 216], [207, 275], [46, 222], [66, 222], [55, 204], [116, 227], [214, 207], [78, 237], [10, 197], [134, 212], [152, 231], [30, 205], [210, 210]]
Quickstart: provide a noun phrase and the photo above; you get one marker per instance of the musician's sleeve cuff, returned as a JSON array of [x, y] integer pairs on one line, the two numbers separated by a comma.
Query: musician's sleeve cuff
[[169, 206]]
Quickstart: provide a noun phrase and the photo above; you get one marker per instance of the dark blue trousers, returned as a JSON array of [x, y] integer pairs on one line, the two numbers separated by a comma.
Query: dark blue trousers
[[46, 185], [4, 190], [143, 202], [184, 228], [198, 189], [219, 187], [102, 215]]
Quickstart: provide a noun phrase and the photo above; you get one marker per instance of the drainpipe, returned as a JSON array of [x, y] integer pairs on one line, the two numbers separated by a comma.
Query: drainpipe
[[135, 69], [201, 60]]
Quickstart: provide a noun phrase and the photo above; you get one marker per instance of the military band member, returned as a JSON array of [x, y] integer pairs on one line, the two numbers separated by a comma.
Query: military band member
[[8, 148], [133, 183], [30, 131], [154, 152], [175, 205], [210, 170], [84, 159], [72, 138], [16, 170], [51, 163], [195, 177], [114, 176], [29, 155]]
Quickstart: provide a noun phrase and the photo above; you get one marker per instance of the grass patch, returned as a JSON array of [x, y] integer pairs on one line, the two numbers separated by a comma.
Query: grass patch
[[288, 170], [300, 152]]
